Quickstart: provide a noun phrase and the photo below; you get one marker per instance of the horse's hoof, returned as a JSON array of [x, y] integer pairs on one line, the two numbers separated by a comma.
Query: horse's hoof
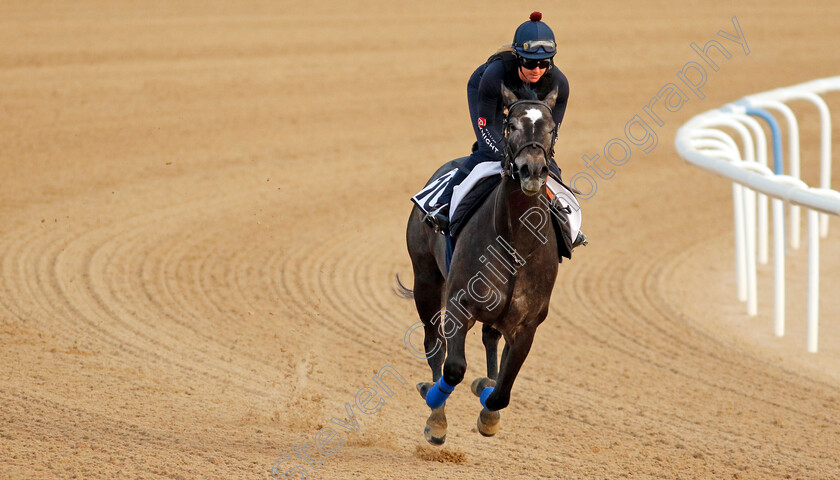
[[423, 388], [480, 383], [433, 440], [435, 431], [488, 422]]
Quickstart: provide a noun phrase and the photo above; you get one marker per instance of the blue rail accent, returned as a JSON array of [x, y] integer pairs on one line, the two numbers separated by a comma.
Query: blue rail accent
[[776, 132]]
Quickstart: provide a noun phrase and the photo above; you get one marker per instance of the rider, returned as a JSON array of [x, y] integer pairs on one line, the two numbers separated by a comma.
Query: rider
[[528, 63]]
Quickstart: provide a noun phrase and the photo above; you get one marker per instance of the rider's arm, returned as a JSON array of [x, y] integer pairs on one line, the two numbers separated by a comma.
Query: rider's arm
[[489, 109], [562, 85]]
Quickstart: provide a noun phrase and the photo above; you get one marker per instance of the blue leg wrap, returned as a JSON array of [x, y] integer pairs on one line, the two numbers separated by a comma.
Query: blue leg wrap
[[437, 395], [484, 394]]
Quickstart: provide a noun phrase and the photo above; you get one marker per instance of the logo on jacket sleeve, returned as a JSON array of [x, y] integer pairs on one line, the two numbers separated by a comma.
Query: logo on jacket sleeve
[[482, 122]]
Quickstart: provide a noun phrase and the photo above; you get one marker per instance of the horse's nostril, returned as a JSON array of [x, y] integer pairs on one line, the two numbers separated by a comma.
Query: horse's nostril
[[524, 173], [544, 171]]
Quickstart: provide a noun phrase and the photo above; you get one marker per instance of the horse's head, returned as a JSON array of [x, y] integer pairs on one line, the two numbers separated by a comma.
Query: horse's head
[[529, 132]]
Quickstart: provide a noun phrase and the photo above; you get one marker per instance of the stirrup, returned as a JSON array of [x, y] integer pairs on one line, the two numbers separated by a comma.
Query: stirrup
[[580, 240], [438, 219]]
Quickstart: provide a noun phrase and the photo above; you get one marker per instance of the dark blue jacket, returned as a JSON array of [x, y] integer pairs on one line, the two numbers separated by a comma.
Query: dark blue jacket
[[484, 95]]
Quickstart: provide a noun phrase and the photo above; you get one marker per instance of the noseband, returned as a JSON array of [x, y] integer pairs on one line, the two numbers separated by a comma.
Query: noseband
[[510, 155]]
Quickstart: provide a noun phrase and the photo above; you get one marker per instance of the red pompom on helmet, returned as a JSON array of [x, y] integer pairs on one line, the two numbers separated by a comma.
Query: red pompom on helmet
[[536, 16]]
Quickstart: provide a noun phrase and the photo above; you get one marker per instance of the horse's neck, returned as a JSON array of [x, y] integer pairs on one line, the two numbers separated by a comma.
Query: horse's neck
[[512, 205]]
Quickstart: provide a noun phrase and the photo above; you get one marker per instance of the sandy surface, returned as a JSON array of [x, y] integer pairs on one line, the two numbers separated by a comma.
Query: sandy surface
[[203, 209]]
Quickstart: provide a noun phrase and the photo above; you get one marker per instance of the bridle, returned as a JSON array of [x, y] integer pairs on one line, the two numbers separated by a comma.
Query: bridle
[[510, 155]]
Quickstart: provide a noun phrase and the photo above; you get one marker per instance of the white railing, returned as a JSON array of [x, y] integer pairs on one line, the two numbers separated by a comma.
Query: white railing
[[702, 142]]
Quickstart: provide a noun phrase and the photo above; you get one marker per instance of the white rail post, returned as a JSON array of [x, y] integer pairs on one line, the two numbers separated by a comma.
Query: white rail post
[[738, 215], [793, 128], [813, 280], [779, 266], [750, 221], [740, 241], [698, 143], [779, 254], [720, 119], [749, 218], [738, 112], [756, 235], [811, 90]]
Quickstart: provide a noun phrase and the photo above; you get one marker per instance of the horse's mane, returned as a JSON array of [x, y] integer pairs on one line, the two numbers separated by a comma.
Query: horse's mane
[[525, 92]]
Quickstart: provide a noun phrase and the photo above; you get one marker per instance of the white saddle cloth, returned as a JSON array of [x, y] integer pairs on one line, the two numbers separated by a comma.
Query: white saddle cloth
[[483, 170]]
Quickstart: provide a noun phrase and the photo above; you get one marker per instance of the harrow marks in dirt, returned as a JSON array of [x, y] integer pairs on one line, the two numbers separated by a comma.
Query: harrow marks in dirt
[[199, 241]]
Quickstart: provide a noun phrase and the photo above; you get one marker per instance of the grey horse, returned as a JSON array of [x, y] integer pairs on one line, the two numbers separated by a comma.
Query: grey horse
[[502, 272]]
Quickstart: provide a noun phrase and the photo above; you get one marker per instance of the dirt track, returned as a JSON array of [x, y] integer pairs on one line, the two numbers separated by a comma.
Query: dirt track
[[203, 211]]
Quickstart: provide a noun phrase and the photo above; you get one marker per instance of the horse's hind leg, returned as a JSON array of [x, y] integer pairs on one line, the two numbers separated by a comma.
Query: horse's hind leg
[[490, 338], [512, 359], [488, 421], [428, 286], [495, 395], [435, 430]]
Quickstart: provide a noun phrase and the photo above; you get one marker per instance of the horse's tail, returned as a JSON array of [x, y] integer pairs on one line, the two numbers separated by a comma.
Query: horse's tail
[[401, 290]]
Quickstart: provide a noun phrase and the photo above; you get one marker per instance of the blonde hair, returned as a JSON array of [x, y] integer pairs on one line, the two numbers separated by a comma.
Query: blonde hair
[[508, 47]]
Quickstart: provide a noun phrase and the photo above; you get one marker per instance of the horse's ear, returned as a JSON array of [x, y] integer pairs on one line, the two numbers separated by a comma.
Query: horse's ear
[[508, 97], [551, 98]]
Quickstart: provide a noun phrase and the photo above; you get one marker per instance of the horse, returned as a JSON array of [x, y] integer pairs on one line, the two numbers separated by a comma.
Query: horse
[[501, 273]]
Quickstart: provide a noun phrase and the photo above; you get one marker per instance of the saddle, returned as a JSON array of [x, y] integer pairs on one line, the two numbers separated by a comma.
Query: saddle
[[469, 204], [560, 214], [481, 181]]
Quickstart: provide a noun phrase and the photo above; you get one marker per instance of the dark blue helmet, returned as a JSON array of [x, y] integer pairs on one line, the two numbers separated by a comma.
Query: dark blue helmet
[[534, 40]]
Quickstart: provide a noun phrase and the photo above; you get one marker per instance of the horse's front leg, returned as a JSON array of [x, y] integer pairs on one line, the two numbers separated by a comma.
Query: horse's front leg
[[455, 332], [454, 368], [435, 430], [495, 395]]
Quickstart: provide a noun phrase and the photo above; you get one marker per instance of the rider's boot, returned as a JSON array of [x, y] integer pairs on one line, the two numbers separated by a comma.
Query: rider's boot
[[580, 240], [438, 218], [555, 171]]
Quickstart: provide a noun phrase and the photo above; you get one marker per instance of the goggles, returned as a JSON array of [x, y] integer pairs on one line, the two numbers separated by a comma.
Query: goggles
[[534, 46], [530, 64]]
